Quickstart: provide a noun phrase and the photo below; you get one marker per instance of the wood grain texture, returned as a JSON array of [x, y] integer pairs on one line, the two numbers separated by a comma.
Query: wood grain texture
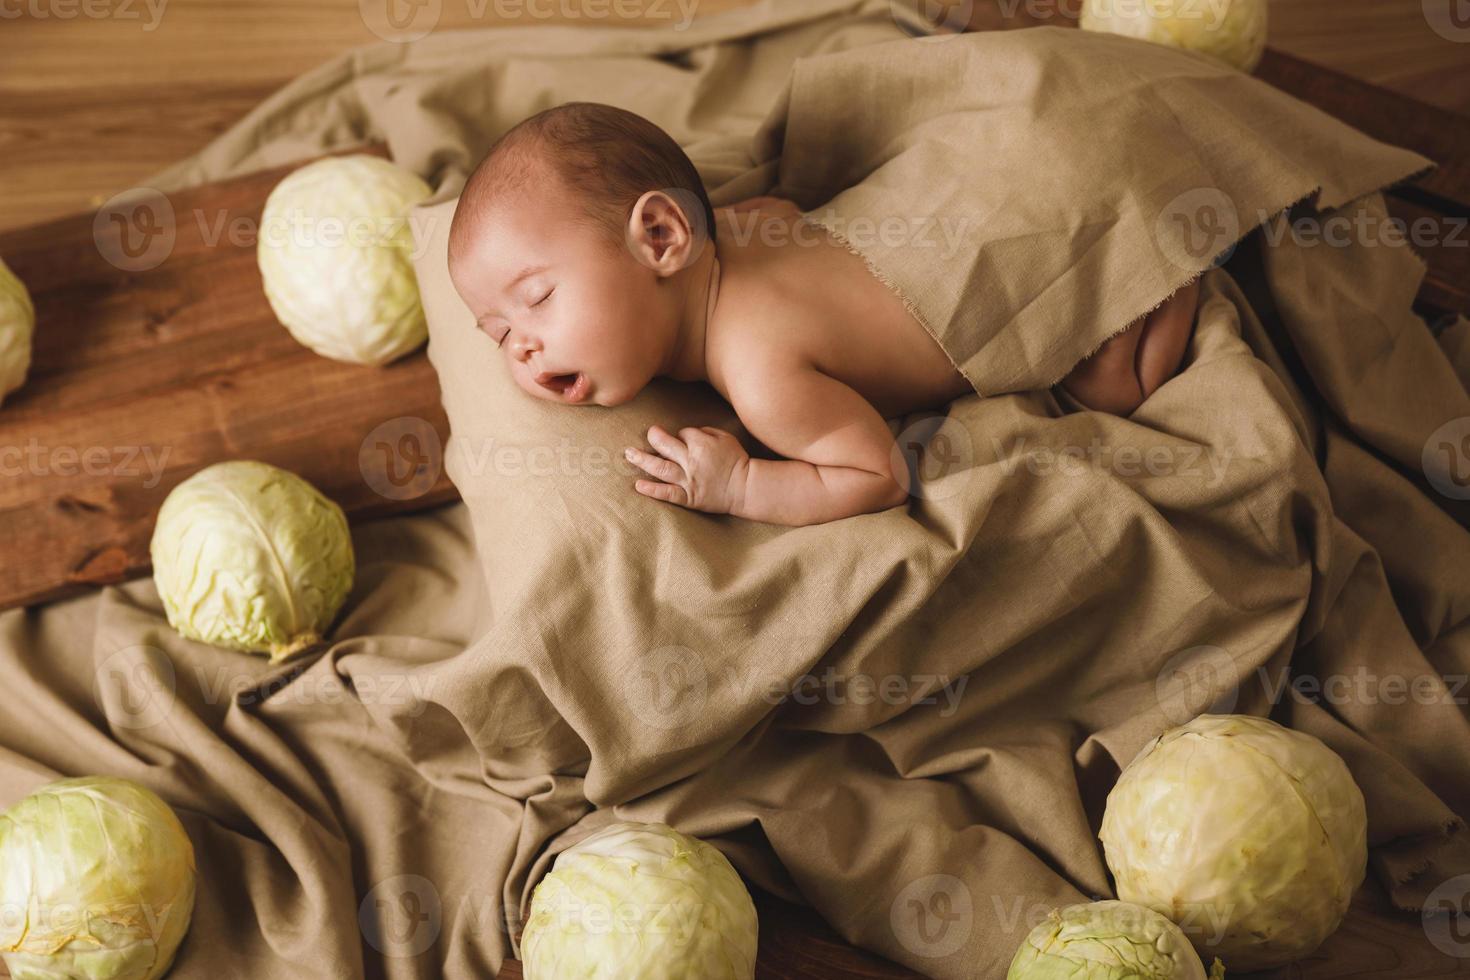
[[90, 106], [795, 944], [140, 378], [1374, 942], [1443, 241], [1443, 137]]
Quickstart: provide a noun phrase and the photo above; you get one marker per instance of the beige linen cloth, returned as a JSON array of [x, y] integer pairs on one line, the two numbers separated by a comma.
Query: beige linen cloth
[[910, 719]]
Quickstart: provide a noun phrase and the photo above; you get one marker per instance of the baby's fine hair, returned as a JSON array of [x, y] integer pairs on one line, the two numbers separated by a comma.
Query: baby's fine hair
[[609, 157]]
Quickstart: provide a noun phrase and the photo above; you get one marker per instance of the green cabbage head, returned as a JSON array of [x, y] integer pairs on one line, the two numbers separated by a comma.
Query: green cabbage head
[[335, 253], [96, 882], [251, 557], [1229, 31], [1108, 941], [17, 325], [640, 901], [1251, 836]]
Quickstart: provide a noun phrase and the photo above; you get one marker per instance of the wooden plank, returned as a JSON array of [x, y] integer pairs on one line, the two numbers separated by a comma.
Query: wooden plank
[[1375, 942], [89, 106], [795, 944], [1443, 241], [71, 149], [141, 377], [1390, 45], [1442, 136]]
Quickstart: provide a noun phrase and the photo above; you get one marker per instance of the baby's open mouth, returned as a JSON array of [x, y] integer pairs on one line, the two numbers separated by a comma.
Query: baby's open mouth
[[572, 387]]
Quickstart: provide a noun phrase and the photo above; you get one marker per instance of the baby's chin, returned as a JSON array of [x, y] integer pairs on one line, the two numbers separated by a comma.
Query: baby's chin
[[610, 393], [611, 399]]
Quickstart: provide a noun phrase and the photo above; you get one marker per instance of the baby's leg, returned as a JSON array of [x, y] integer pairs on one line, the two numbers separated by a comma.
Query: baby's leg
[[1135, 363]]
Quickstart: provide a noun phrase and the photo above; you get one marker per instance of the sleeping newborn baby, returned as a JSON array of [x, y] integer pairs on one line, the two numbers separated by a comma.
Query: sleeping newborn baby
[[579, 246]]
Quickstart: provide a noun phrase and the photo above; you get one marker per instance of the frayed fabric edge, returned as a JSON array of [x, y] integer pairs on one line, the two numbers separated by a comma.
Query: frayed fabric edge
[[1270, 215], [1450, 828], [1198, 274], [1188, 279], [909, 306]]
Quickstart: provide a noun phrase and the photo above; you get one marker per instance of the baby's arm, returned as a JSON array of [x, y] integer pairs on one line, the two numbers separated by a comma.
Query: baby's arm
[[841, 455]]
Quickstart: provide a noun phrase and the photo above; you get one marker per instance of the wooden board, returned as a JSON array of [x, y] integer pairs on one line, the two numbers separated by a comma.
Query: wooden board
[[142, 376], [795, 944], [1375, 942], [1439, 203], [89, 106], [1442, 136]]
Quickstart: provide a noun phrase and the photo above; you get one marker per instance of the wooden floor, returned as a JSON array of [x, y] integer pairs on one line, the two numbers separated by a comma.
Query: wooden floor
[[91, 106]]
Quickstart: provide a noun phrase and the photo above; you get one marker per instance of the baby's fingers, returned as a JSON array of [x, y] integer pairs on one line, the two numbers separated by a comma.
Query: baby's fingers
[[654, 466], [667, 445], [662, 491]]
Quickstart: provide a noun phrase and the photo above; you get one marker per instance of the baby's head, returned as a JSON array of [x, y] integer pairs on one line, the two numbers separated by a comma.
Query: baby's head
[[575, 245]]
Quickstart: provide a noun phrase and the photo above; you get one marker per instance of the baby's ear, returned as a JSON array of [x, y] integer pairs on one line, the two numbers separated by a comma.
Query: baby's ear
[[666, 230]]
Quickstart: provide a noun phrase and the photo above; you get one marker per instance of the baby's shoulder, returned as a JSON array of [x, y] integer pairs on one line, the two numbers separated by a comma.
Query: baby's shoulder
[[759, 318], [756, 341]]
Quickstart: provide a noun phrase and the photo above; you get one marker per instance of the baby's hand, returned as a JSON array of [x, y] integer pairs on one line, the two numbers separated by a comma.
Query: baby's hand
[[703, 469]]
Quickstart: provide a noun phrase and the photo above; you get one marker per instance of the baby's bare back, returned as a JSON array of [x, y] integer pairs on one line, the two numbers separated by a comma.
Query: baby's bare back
[[791, 296]]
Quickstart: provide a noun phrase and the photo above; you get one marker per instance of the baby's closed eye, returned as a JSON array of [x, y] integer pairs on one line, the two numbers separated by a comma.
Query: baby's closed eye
[[498, 330], [495, 330]]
